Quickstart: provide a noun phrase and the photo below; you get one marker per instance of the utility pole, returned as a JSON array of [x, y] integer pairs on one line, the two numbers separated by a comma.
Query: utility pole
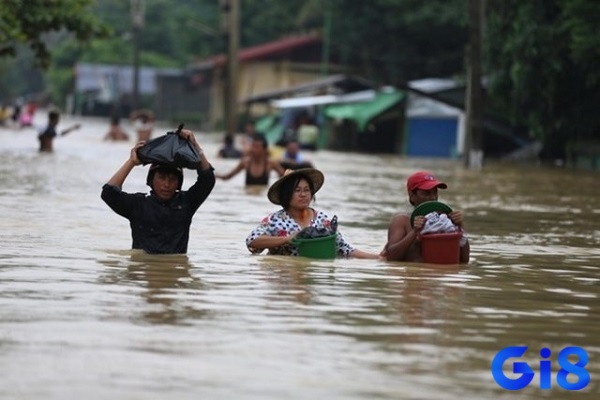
[[137, 23], [326, 40], [474, 134], [231, 20]]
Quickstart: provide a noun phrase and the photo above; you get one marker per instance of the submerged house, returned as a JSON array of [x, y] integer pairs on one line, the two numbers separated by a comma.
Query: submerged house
[[356, 114], [434, 128], [264, 68], [372, 125], [361, 116], [436, 124], [195, 94]]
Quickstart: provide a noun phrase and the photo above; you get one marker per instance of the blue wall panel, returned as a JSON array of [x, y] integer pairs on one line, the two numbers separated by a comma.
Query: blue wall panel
[[432, 137]]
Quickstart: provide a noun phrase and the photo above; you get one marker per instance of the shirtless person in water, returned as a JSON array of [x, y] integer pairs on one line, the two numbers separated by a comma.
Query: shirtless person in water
[[403, 243], [257, 164]]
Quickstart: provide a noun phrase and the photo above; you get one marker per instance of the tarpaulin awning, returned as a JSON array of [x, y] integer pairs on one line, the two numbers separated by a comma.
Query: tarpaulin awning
[[363, 112], [269, 126]]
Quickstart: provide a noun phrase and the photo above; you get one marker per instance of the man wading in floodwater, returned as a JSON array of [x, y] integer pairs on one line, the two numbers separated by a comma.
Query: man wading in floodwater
[[160, 221], [403, 238]]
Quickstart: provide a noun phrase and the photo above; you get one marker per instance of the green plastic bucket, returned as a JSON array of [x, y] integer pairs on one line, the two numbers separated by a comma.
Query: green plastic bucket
[[323, 247]]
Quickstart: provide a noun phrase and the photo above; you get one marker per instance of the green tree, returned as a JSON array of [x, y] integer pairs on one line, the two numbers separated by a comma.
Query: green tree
[[542, 60], [25, 22], [394, 41], [266, 20]]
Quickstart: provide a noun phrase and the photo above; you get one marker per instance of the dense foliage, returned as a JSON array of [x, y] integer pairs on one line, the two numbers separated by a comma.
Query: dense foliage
[[26, 21], [543, 60], [397, 41]]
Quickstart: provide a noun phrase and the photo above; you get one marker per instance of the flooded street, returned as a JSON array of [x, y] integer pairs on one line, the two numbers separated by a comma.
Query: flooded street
[[83, 317]]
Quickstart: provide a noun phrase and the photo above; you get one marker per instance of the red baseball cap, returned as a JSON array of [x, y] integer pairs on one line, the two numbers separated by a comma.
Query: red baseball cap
[[423, 180]]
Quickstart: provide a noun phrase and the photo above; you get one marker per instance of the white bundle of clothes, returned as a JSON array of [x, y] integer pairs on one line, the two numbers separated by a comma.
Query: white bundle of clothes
[[438, 223]]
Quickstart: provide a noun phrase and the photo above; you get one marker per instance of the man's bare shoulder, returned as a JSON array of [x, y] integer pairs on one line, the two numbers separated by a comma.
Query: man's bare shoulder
[[400, 217], [400, 222]]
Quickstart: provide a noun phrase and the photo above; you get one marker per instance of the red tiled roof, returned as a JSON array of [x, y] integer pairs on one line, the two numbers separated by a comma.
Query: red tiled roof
[[270, 49]]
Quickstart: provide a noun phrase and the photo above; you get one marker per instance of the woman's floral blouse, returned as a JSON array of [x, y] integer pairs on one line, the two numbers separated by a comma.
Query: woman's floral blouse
[[280, 223]]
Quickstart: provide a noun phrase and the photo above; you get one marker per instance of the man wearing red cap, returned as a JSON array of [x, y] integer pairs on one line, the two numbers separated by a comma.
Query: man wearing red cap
[[403, 238]]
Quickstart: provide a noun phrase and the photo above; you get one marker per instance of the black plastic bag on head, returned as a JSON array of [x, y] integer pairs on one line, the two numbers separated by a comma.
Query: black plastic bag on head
[[170, 149], [311, 232]]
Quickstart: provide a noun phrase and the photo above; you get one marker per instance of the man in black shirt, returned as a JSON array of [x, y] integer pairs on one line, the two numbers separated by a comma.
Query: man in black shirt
[[160, 221]]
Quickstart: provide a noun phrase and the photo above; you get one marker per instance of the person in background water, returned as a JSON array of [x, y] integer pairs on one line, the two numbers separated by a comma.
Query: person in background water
[[292, 158], [250, 134], [47, 134], [27, 113], [403, 239], [115, 131], [295, 192], [256, 163], [143, 123], [5, 113], [229, 150], [160, 221], [16, 114], [307, 133]]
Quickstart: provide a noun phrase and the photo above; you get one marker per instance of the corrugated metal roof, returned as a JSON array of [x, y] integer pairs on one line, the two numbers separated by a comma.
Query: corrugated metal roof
[[310, 101], [333, 84]]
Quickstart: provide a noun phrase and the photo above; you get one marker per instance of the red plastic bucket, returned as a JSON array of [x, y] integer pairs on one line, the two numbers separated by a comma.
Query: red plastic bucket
[[441, 248]]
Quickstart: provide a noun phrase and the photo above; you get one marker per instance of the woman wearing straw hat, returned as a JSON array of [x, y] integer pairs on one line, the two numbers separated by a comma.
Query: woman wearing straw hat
[[294, 191]]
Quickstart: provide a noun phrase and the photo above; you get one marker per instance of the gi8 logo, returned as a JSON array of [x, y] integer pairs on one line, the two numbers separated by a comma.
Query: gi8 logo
[[527, 374]]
